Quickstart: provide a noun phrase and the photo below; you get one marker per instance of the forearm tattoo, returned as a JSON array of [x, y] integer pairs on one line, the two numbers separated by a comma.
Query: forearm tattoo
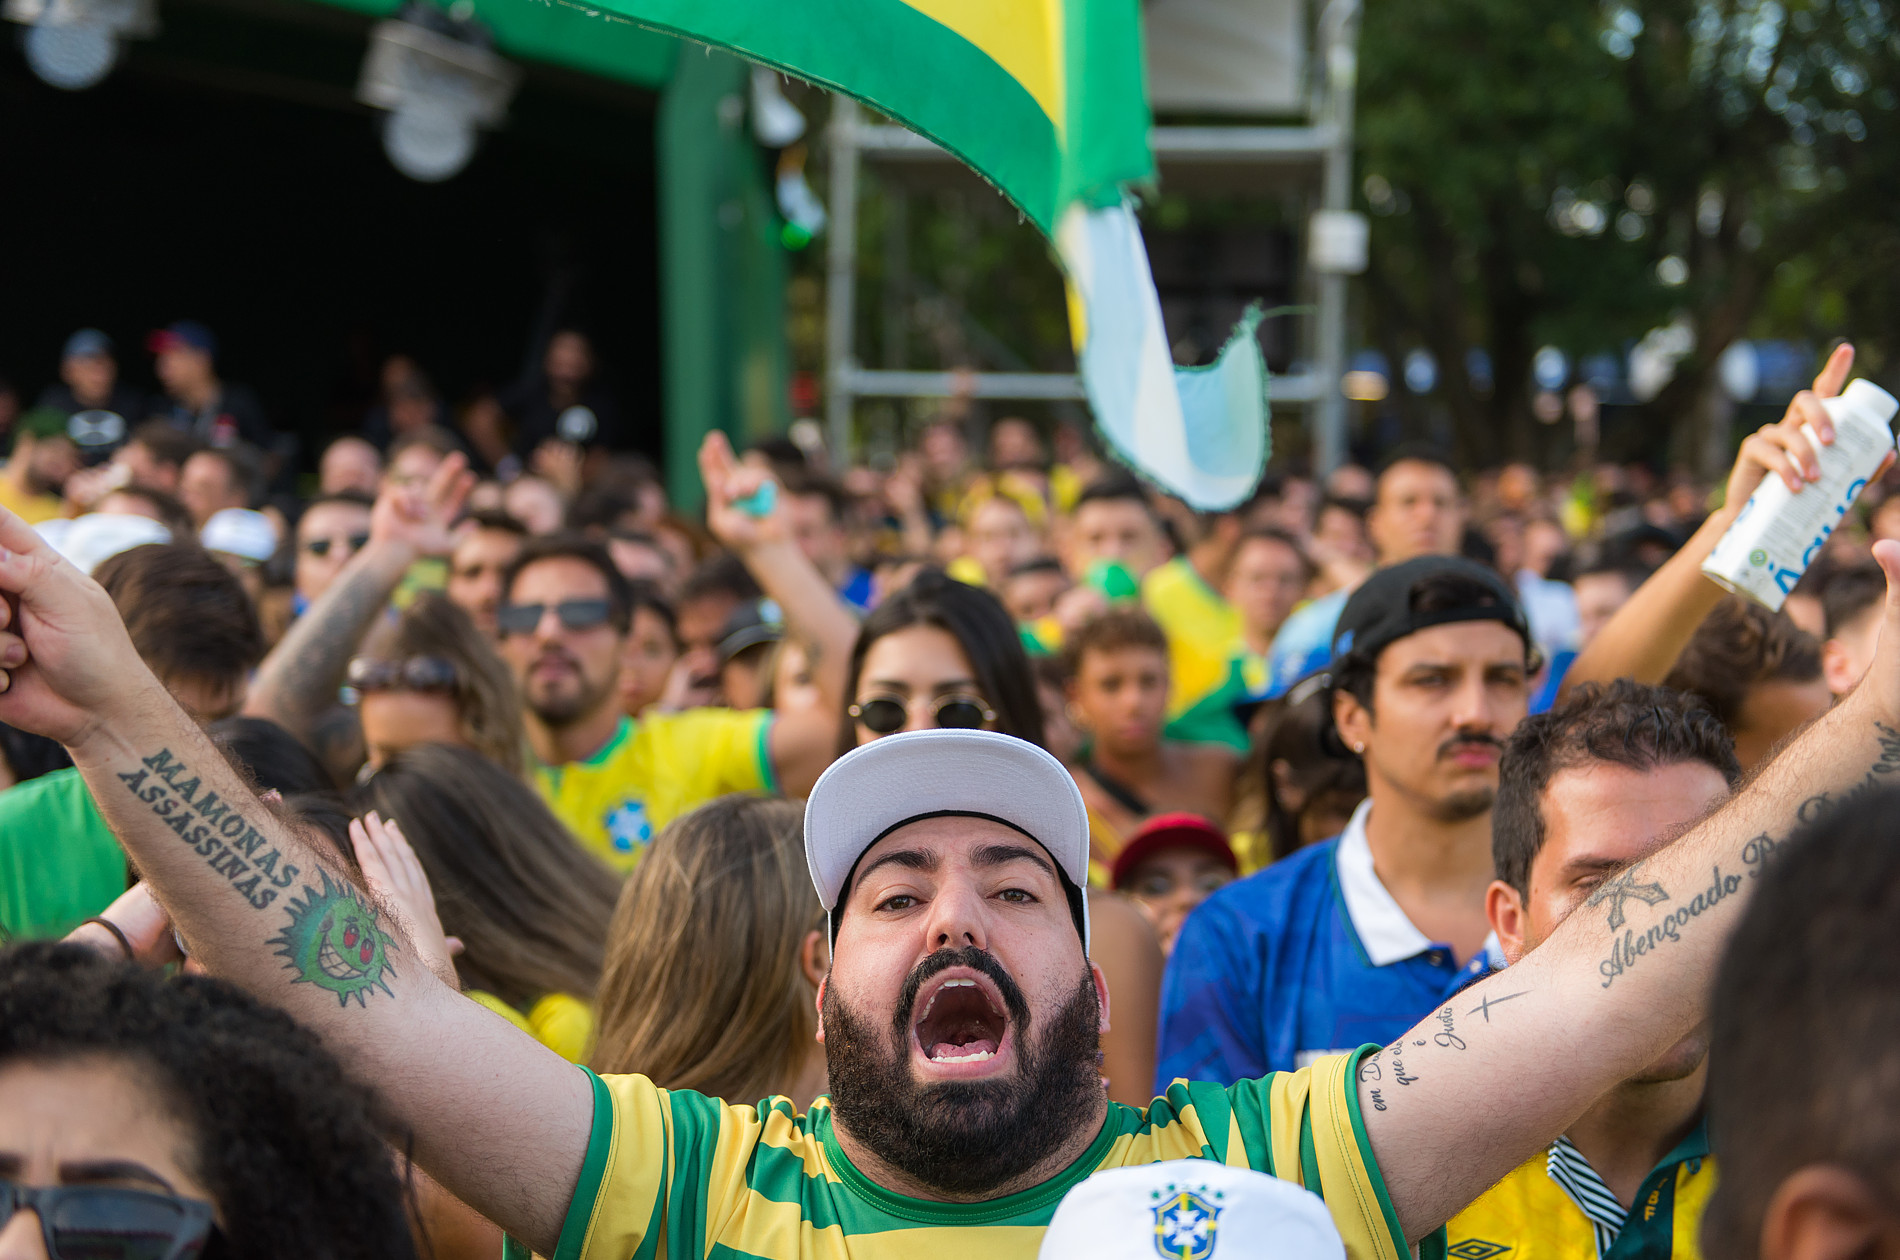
[[1632, 946], [332, 937]]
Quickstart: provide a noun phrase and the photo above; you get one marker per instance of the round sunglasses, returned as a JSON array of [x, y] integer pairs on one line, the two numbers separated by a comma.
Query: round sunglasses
[[108, 1223], [886, 715]]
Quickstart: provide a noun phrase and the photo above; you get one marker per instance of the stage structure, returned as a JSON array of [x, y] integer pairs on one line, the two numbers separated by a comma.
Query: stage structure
[[1269, 85]]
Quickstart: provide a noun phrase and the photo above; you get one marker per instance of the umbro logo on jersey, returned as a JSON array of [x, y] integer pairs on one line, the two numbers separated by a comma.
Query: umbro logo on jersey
[[1476, 1249]]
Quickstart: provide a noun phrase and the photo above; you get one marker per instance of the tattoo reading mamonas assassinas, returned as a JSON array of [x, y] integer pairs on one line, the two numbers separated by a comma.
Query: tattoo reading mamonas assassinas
[[332, 940], [1632, 945]]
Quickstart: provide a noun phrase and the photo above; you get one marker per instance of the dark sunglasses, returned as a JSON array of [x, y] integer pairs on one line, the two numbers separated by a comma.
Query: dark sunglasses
[[415, 673], [575, 614], [104, 1223], [321, 546], [885, 715]]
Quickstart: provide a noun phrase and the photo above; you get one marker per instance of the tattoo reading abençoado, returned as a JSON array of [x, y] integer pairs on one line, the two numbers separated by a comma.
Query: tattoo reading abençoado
[[333, 941], [1631, 946]]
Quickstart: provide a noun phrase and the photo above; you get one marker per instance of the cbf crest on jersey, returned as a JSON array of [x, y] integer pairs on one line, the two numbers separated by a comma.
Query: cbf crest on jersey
[[1186, 1222]]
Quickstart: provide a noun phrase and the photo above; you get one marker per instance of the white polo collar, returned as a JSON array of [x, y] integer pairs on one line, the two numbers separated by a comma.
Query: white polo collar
[[1384, 930]]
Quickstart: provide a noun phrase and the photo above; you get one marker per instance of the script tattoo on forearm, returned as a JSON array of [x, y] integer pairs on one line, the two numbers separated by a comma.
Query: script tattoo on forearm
[[1447, 1037], [1369, 1070], [1632, 946], [332, 939]]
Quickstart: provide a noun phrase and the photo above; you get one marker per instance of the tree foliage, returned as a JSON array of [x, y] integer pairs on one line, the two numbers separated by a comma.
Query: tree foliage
[[1578, 172]]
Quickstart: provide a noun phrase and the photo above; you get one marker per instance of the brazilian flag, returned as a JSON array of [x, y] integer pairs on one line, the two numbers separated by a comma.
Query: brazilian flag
[[1045, 100]]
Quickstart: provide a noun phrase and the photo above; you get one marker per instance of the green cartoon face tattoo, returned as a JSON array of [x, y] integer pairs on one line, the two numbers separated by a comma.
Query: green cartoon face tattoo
[[332, 941]]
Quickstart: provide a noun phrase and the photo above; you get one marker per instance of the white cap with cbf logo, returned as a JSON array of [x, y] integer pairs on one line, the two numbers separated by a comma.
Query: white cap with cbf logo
[[1190, 1209]]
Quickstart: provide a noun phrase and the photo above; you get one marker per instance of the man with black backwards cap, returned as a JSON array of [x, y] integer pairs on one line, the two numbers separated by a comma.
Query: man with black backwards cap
[[1353, 939], [961, 1012], [215, 411]]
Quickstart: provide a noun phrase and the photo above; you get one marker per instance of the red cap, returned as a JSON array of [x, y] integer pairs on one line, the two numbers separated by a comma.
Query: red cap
[[1171, 831]]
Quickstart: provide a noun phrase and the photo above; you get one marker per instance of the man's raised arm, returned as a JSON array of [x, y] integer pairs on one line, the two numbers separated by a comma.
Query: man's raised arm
[[497, 1118], [803, 740], [296, 686], [1501, 1069]]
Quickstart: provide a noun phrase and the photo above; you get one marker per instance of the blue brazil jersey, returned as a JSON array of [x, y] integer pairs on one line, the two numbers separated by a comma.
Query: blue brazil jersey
[[1296, 961]]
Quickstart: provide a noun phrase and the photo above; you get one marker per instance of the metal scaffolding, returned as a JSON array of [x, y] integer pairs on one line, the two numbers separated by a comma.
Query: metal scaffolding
[[1318, 151]]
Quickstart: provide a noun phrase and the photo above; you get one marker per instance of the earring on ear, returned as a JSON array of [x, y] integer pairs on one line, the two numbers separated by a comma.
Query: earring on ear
[[1359, 749]]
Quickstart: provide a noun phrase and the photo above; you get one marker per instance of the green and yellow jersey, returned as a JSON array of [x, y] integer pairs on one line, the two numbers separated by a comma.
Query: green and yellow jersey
[[1202, 627], [1555, 1207], [670, 1173], [654, 770]]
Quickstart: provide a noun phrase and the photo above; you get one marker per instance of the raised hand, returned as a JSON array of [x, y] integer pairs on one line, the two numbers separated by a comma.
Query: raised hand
[[395, 875], [423, 517], [729, 483], [67, 666], [1782, 448]]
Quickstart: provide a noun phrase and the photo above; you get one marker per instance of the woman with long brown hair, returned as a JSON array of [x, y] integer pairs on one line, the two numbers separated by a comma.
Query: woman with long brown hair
[[714, 958], [529, 905], [436, 678]]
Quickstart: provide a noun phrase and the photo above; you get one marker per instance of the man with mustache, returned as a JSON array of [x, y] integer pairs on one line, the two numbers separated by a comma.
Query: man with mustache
[[937, 854], [1353, 939]]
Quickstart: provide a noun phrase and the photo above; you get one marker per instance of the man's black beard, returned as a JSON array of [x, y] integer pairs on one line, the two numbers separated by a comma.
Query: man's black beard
[[965, 1137]]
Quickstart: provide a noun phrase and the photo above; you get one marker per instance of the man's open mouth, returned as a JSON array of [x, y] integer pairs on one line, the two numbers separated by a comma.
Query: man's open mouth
[[960, 1019]]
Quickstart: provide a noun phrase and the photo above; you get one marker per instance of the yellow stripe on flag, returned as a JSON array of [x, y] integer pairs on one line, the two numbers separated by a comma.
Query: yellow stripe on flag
[[1024, 37]]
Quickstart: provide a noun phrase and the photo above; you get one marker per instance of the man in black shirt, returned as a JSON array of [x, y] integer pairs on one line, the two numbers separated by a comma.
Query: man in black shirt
[[214, 411], [99, 408], [565, 401]]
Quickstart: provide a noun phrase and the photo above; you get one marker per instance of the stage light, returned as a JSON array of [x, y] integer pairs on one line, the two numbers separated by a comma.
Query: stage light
[[440, 82], [73, 44]]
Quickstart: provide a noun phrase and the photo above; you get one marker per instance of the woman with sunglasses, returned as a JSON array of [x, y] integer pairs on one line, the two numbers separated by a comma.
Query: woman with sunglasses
[[939, 653], [437, 680], [143, 1118]]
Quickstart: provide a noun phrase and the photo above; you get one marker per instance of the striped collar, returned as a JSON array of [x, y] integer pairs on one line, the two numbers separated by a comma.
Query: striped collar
[[1585, 1188]]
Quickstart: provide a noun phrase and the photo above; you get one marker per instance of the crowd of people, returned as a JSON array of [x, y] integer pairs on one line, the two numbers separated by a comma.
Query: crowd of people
[[893, 848]]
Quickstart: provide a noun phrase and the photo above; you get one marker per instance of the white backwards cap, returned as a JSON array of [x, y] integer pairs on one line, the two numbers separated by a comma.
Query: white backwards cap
[[875, 789]]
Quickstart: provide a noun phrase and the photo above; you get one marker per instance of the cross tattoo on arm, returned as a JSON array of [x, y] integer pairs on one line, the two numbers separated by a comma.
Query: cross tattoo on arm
[[1620, 889]]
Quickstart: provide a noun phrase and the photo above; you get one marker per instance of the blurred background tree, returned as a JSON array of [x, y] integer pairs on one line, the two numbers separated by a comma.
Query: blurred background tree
[[1578, 173]]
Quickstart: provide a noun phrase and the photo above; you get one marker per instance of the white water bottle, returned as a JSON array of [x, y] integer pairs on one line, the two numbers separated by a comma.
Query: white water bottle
[[1779, 532]]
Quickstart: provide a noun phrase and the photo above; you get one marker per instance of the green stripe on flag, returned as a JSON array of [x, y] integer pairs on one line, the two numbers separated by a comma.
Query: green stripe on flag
[[1108, 116], [899, 62]]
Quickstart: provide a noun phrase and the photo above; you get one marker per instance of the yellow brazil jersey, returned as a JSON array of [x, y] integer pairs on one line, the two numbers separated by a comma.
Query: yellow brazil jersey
[[670, 1173], [560, 1021], [654, 770], [1530, 1216], [1202, 627], [31, 508]]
